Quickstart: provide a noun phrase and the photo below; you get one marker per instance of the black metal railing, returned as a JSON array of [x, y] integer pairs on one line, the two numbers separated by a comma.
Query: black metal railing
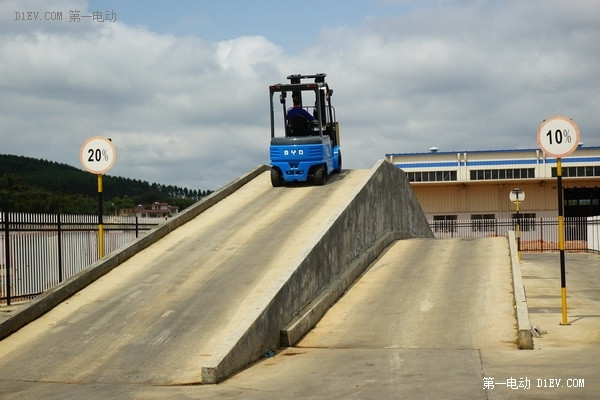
[[536, 234], [39, 251]]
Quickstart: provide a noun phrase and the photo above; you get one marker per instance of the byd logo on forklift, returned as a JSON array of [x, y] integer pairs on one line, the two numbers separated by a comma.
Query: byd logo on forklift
[[293, 152]]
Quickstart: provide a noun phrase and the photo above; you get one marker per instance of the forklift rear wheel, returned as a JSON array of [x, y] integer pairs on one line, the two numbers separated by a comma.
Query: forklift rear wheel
[[320, 175], [339, 168]]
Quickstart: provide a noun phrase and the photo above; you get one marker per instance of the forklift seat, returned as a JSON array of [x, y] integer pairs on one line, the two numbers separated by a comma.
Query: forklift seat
[[299, 126]]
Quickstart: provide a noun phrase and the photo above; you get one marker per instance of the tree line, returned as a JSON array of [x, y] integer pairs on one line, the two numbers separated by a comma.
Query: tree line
[[41, 186]]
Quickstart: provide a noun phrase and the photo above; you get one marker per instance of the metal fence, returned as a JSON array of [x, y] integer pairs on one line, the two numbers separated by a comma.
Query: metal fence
[[593, 234], [38, 251], [537, 234]]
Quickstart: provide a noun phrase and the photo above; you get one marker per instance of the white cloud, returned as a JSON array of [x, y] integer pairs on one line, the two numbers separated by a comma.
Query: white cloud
[[190, 112]]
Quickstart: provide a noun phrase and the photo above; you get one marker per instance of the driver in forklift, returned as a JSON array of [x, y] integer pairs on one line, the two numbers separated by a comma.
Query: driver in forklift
[[298, 110]]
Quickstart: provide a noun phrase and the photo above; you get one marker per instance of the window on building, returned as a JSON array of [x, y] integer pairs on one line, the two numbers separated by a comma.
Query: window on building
[[413, 176], [431, 176], [444, 223], [570, 172], [509, 173], [589, 171], [483, 222]]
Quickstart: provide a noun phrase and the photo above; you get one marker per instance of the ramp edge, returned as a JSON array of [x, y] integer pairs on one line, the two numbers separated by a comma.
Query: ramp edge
[[308, 317]]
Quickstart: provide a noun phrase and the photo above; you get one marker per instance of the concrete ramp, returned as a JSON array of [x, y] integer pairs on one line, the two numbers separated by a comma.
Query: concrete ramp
[[434, 294], [211, 296]]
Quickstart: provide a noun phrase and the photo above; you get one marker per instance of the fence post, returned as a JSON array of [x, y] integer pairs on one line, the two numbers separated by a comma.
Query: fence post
[[137, 227], [7, 257], [59, 233], [541, 230]]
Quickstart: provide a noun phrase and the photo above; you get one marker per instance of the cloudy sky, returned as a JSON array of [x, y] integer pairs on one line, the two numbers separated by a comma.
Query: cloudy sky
[[181, 87]]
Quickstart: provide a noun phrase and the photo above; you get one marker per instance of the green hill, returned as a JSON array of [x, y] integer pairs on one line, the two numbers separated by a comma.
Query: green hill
[[40, 186]]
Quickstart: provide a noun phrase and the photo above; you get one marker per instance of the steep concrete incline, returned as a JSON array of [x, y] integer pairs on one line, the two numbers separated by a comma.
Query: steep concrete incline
[[211, 296]]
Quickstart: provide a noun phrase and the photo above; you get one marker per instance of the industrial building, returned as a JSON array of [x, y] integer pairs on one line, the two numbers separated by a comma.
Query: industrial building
[[471, 185]]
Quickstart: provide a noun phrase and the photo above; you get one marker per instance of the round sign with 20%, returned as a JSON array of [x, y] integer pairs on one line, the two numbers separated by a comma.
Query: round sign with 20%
[[558, 136], [97, 154]]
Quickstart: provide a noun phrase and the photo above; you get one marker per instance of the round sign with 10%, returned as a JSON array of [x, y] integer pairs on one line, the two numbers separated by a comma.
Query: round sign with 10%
[[97, 154], [558, 136]]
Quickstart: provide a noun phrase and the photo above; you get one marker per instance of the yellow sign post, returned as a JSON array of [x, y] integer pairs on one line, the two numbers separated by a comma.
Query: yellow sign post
[[97, 155], [559, 137], [517, 196], [561, 241]]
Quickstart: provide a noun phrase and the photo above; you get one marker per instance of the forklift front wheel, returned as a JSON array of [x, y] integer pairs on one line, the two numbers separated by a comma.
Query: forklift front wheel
[[276, 178]]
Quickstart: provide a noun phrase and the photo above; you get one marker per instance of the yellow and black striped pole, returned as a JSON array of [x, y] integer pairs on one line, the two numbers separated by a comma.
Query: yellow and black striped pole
[[559, 137], [100, 224], [561, 241]]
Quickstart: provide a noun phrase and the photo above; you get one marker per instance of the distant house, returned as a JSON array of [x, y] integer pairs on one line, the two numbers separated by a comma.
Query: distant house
[[157, 210]]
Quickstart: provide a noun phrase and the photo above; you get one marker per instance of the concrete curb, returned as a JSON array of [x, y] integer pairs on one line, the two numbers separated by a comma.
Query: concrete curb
[[52, 297], [308, 317], [525, 336]]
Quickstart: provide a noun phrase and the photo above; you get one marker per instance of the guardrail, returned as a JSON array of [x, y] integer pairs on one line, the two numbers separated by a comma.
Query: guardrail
[[39, 251], [537, 234], [42, 250]]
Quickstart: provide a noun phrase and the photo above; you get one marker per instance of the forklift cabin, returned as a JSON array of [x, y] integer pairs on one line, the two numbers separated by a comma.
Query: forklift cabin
[[301, 149]]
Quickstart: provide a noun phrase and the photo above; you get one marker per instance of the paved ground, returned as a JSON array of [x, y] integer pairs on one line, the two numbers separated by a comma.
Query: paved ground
[[570, 353], [409, 329], [541, 277]]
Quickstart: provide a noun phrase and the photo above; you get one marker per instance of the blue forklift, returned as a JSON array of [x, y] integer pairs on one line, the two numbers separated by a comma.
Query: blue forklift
[[305, 147]]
